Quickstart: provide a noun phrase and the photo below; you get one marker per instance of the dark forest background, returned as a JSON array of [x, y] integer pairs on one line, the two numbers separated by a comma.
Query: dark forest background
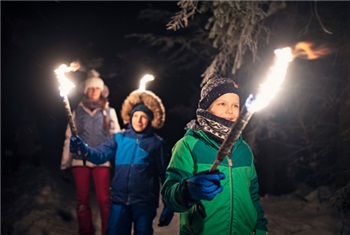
[[301, 140]]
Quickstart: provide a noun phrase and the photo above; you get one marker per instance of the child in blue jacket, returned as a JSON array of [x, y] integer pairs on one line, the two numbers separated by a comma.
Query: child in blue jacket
[[141, 158]]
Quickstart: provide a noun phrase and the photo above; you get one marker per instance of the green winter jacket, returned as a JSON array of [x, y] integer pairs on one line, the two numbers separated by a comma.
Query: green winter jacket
[[236, 210]]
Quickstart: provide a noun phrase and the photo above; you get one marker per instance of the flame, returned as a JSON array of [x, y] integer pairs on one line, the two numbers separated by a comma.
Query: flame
[[275, 78], [144, 80], [306, 50], [65, 84]]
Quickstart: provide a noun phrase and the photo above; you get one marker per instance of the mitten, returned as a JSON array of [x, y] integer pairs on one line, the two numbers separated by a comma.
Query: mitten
[[78, 146], [166, 217], [205, 185]]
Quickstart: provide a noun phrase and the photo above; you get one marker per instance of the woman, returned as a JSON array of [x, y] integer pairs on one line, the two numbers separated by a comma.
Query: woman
[[96, 122]]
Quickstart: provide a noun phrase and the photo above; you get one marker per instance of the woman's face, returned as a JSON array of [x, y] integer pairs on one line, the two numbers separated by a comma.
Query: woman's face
[[139, 121], [226, 106], [93, 93]]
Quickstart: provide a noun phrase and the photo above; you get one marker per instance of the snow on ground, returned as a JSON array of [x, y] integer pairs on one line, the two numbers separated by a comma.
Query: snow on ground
[[292, 215], [36, 201]]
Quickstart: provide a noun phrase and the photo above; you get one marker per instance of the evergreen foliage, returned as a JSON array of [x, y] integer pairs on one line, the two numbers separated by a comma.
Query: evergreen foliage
[[234, 27]]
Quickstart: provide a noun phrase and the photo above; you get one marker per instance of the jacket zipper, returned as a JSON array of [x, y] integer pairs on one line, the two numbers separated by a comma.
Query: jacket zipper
[[131, 166], [231, 197]]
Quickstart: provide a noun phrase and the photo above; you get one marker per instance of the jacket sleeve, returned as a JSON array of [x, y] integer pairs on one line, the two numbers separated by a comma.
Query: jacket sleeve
[[180, 168], [66, 159], [104, 152], [114, 123], [261, 224]]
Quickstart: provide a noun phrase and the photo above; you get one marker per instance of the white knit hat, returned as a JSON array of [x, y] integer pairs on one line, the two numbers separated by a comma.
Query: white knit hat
[[93, 80]]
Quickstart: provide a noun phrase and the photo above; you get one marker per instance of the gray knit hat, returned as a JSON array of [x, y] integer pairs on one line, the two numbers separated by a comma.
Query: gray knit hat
[[215, 88]]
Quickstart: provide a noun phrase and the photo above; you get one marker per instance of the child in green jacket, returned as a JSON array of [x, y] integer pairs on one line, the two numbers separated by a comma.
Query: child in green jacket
[[225, 201]]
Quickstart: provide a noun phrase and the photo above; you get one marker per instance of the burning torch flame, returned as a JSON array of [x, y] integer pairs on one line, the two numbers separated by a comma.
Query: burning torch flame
[[306, 50], [65, 84], [144, 80], [266, 92], [274, 79]]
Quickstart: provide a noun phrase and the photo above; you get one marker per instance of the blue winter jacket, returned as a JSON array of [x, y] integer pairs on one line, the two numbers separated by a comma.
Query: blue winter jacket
[[140, 165]]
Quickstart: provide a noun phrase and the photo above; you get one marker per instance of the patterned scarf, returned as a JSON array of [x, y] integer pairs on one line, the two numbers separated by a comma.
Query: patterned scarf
[[215, 127], [92, 105]]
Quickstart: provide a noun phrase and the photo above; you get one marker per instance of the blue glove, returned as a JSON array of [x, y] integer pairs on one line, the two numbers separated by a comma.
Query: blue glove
[[166, 217], [78, 146], [205, 185]]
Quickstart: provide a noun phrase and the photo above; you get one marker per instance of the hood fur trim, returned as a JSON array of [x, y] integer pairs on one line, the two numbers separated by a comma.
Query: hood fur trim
[[153, 103]]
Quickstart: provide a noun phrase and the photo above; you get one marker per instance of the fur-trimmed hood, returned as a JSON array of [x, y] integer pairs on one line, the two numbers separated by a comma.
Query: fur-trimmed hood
[[148, 98]]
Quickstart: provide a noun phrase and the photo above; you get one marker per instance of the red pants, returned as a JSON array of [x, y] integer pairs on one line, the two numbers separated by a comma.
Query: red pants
[[101, 177]]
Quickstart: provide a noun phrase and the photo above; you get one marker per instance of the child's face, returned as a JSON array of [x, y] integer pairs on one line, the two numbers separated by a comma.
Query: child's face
[[139, 121], [226, 106], [93, 93]]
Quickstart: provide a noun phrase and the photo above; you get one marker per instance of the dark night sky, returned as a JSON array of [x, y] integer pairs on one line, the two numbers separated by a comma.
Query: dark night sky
[[39, 36]]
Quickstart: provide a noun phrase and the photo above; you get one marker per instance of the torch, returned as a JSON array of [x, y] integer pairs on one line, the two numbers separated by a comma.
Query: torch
[[65, 86], [266, 92], [144, 80]]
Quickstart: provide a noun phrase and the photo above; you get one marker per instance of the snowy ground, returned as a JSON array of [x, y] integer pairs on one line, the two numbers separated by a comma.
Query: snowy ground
[[36, 201]]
